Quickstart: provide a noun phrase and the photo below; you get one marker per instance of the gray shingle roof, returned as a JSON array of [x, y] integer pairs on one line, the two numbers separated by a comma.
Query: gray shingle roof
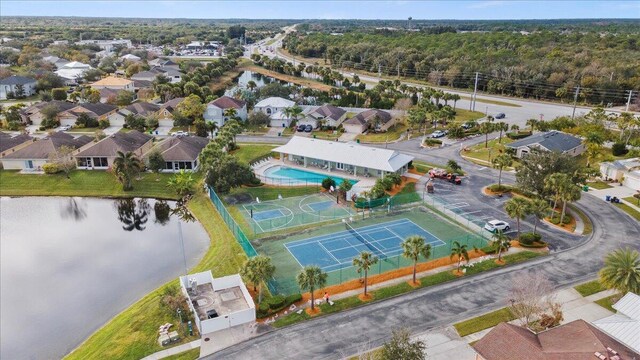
[[368, 116], [41, 149], [7, 142], [186, 148], [143, 108], [120, 141], [550, 140], [17, 80], [98, 108], [328, 111]]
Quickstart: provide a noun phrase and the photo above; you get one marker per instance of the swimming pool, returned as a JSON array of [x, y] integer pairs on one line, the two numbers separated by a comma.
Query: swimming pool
[[291, 176]]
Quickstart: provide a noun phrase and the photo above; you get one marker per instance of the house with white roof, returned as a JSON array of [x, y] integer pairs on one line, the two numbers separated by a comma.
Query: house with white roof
[[351, 158], [624, 325], [274, 107], [130, 57], [625, 171], [72, 72]]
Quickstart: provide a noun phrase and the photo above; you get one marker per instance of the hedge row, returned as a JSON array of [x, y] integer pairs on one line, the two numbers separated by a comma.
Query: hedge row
[[275, 304]]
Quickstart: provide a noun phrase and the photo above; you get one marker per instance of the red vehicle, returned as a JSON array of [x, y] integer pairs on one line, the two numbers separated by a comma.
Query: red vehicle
[[444, 174]]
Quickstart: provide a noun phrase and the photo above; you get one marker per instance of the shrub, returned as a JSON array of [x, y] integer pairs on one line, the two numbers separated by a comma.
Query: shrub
[[619, 149], [153, 123], [386, 183], [499, 189], [535, 245], [103, 124], [529, 238], [50, 168], [432, 142], [490, 249], [276, 302], [327, 183], [518, 135], [59, 94], [262, 310], [555, 219]]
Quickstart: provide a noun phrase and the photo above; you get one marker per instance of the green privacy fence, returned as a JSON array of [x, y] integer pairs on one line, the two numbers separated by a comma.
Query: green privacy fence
[[231, 223]]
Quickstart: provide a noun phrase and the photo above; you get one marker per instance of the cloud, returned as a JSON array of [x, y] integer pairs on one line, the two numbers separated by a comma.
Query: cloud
[[486, 4]]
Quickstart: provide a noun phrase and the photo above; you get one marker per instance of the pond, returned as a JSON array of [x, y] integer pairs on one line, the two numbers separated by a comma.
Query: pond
[[246, 76], [68, 265]]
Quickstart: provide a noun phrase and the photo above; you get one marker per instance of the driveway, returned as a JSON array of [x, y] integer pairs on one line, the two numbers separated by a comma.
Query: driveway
[[112, 130]]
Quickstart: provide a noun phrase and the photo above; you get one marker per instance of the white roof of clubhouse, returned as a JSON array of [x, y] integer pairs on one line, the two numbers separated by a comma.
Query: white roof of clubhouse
[[625, 324], [346, 153]]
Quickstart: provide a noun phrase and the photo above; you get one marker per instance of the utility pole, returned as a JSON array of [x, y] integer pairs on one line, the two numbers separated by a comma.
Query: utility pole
[[379, 71], [184, 256], [475, 91], [628, 100], [575, 102]]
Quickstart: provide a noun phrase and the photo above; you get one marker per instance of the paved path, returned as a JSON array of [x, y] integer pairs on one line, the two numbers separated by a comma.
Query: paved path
[[173, 350]]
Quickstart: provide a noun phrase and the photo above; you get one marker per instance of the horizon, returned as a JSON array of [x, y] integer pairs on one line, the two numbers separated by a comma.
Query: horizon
[[330, 10]]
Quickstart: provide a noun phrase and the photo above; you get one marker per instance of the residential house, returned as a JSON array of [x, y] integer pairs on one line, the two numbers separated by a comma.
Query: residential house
[[180, 153], [164, 63], [144, 109], [548, 141], [274, 107], [375, 119], [10, 86], [218, 304], [130, 57], [142, 84], [73, 72], [97, 111], [325, 115], [100, 155], [107, 45], [165, 114], [624, 325], [350, 158], [58, 62], [625, 171], [108, 95], [39, 152], [170, 73], [33, 114], [114, 83], [216, 109], [576, 340], [9, 144]]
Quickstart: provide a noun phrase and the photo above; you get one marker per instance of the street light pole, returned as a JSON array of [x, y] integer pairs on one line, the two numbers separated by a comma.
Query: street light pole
[[184, 256]]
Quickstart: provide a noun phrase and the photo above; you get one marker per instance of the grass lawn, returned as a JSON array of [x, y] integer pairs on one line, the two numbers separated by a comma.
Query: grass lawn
[[488, 101], [462, 115], [82, 183], [192, 354], [422, 167], [484, 155], [249, 152], [600, 185], [267, 192], [632, 200], [392, 134], [590, 288], [482, 322], [402, 288], [132, 334], [629, 210], [588, 226], [608, 302]]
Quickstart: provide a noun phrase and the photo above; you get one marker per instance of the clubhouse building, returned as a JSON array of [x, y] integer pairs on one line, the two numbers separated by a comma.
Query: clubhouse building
[[351, 158]]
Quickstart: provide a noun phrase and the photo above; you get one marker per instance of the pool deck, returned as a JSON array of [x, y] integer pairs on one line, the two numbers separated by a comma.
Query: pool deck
[[260, 171]]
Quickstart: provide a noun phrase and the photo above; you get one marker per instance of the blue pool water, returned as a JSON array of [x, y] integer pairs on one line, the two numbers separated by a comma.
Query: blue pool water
[[293, 176]]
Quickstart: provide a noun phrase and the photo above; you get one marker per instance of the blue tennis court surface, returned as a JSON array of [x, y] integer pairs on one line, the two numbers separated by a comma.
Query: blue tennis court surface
[[267, 214], [337, 250]]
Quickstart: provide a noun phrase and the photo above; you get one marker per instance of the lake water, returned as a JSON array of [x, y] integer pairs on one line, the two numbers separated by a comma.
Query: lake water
[[246, 76], [68, 265]]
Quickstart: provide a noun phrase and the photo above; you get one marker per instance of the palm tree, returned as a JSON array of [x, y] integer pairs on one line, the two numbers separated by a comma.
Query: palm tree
[[212, 127], [532, 123], [363, 263], [538, 208], [621, 271], [517, 208], [501, 242], [230, 113], [500, 162], [502, 126], [554, 184], [570, 192], [455, 98], [251, 85], [257, 270], [126, 166], [460, 252], [486, 128], [412, 248], [312, 278]]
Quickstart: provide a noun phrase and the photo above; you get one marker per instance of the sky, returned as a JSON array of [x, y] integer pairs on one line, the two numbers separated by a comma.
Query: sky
[[400, 9]]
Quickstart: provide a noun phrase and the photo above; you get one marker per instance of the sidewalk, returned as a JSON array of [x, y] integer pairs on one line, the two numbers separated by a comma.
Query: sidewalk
[[173, 350]]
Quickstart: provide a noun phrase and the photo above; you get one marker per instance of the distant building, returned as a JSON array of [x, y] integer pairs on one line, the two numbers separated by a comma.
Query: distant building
[[215, 110], [107, 45], [327, 115], [114, 83], [548, 141], [624, 326], [626, 171], [33, 114], [164, 63], [575, 340], [11, 84], [165, 114], [73, 72], [369, 119], [274, 107], [172, 74], [97, 111], [130, 57], [58, 62]]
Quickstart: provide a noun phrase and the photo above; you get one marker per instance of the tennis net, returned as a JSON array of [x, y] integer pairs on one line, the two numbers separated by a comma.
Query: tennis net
[[366, 243]]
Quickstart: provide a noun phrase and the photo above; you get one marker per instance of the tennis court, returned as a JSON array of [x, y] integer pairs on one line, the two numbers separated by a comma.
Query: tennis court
[[337, 250], [290, 212]]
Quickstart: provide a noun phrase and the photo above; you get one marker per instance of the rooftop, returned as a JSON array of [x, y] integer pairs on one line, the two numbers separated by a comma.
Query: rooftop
[[112, 81], [347, 153], [119, 141], [41, 149], [210, 303], [550, 140], [368, 116], [275, 102], [625, 324], [328, 111], [183, 148], [226, 102], [7, 142], [143, 108], [17, 80]]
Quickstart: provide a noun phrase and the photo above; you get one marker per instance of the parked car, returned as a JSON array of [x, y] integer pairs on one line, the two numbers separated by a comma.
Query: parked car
[[438, 134], [301, 128], [180, 133], [500, 116], [495, 225], [308, 128], [468, 125], [65, 127]]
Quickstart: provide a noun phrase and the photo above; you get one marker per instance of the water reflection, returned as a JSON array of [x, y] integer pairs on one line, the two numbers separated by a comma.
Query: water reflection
[[182, 212], [74, 209], [133, 214], [162, 212]]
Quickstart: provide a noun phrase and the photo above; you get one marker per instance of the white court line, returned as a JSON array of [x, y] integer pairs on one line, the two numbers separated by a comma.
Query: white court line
[[328, 252], [456, 205], [289, 250]]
